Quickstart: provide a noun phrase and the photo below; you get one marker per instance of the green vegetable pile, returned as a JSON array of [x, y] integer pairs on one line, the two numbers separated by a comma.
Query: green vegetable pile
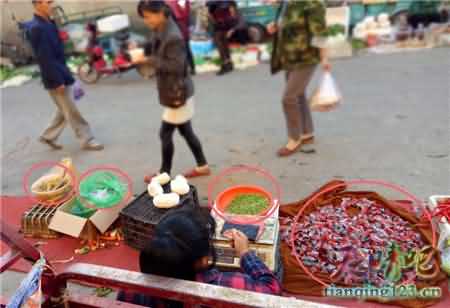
[[216, 61], [358, 44], [248, 204], [78, 60], [8, 73], [334, 30]]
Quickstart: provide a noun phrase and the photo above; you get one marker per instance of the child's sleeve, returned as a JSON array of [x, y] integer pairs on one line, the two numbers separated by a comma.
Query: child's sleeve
[[262, 277], [256, 277]]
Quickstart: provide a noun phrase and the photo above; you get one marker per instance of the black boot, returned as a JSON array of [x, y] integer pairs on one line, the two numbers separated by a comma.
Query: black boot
[[225, 69]]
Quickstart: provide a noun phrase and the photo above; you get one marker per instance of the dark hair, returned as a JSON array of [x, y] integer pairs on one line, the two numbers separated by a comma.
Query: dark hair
[[154, 6], [181, 238]]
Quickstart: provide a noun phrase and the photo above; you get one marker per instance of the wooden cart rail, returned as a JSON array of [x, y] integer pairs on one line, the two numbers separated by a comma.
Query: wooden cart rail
[[54, 286], [188, 292]]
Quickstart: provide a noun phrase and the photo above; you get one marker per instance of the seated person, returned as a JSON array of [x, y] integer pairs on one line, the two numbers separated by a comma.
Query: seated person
[[182, 248], [427, 12], [228, 25]]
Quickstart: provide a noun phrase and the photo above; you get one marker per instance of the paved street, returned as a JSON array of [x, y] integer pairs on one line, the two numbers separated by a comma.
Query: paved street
[[394, 126]]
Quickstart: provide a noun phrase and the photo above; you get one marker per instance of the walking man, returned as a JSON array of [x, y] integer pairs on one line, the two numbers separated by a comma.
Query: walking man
[[57, 79]]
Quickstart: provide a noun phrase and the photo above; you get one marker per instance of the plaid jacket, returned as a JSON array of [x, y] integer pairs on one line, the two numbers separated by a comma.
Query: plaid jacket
[[255, 277], [298, 22]]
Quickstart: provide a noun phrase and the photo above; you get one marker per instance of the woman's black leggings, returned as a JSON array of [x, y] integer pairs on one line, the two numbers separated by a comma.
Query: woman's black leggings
[[168, 148]]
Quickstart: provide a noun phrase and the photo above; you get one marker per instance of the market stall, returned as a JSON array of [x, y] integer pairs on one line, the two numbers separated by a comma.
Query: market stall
[[396, 26], [338, 237], [362, 8]]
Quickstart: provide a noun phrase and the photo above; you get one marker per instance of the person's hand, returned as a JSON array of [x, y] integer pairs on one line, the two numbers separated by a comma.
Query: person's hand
[[141, 59], [230, 33], [272, 28], [326, 66], [240, 242], [61, 89], [132, 45]]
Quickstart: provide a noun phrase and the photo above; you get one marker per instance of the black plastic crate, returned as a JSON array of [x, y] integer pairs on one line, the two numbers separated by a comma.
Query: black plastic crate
[[140, 217]]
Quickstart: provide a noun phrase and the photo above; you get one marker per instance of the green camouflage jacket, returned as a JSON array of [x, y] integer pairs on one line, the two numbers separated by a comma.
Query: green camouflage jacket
[[298, 22]]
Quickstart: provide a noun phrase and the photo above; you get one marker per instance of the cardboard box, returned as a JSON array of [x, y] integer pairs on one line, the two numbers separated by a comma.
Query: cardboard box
[[85, 228]]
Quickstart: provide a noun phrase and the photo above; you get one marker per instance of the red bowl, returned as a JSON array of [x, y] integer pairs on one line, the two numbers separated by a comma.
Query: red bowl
[[224, 199]]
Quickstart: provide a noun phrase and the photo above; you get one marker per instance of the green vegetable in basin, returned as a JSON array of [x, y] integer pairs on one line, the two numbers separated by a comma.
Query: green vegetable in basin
[[248, 204]]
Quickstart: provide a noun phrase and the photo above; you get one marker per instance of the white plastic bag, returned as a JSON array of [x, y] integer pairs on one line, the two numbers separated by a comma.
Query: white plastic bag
[[444, 244], [443, 225], [327, 96]]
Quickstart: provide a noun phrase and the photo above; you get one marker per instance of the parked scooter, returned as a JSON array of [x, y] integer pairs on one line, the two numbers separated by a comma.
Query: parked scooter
[[96, 65]]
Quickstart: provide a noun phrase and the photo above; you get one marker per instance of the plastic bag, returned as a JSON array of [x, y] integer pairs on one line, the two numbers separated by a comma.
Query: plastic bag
[[79, 209], [29, 293], [103, 189], [327, 96], [77, 91], [443, 225], [444, 244]]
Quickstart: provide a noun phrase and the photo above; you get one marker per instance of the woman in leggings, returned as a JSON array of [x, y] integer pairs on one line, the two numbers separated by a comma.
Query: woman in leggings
[[166, 52]]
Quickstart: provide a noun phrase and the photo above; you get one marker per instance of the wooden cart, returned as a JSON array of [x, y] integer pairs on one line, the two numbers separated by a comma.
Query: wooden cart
[[189, 292]]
